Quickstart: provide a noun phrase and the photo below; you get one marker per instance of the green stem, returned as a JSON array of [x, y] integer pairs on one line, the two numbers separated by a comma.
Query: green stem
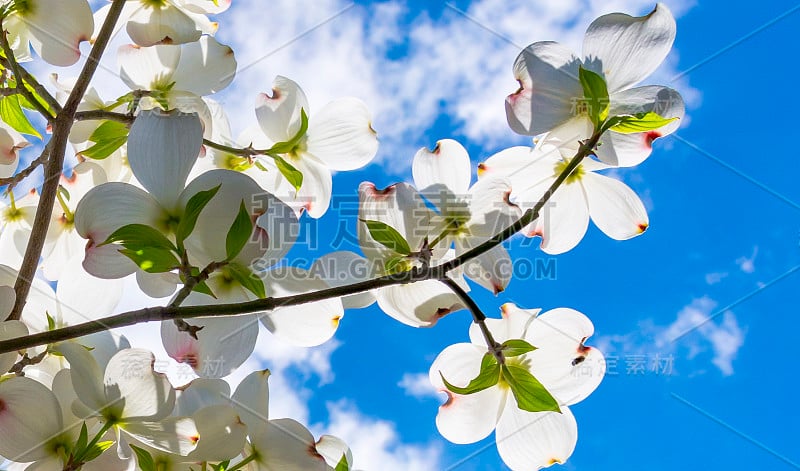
[[244, 462]]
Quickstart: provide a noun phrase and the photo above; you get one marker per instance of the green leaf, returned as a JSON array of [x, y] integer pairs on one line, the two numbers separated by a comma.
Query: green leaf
[[516, 347], [239, 233], [137, 236], [290, 145], [51, 323], [640, 122], [108, 137], [223, 466], [530, 394], [342, 465], [488, 377], [202, 287], [83, 440], [152, 259], [97, 450], [194, 207], [291, 174], [144, 459], [247, 279], [387, 236], [11, 112], [596, 93], [395, 264]]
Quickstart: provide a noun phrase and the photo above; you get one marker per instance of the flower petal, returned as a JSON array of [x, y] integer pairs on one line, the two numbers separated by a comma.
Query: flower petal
[[200, 393], [419, 304], [9, 330], [157, 285], [205, 67], [333, 449], [548, 76], [469, 418], [207, 244], [563, 221], [10, 143], [223, 344], [222, 434], [448, 164], [251, 400], [627, 150], [490, 208], [178, 435], [627, 49], [344, 268], [157, 24], [304, 325], [29, 418], [614, 207], [399, 206], [513, 325], [279, 114], [162, 148], [147, 68], [57, 27], [134, 391], [82, 297], [341, 135], [286, 444], [567, 368], [87, 377], [533, 440], [102, 211], [491, 269]]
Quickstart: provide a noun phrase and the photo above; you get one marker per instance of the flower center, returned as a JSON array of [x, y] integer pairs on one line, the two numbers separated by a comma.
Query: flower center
[[573, 177], [154, 3]]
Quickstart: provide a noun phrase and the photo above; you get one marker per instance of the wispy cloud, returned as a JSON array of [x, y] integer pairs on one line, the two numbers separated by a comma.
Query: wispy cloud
[[417, 385], [376, 443], [720, 339]]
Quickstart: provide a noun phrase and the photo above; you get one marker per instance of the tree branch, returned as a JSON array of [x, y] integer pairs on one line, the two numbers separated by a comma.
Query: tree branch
[[438, 272], [52, 171]]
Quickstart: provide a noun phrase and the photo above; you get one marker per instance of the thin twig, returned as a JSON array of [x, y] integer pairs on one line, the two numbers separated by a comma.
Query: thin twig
[[13, 180], [52, 171], [478, 317], [124, 118]]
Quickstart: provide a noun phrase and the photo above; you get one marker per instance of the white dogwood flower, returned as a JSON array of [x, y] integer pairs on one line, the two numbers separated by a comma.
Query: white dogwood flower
[[561, 362], [54, 28], [150, 22], [467, 216], [585, 194], [623, 50]]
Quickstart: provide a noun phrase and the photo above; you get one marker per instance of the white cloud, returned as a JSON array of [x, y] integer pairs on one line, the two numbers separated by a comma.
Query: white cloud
[[376, 443], [715, 277], [697, 331], [692, 334], [748, 264], [417, 385]]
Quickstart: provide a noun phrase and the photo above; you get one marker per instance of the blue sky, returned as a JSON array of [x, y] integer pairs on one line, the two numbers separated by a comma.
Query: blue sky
[[721, 194]]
